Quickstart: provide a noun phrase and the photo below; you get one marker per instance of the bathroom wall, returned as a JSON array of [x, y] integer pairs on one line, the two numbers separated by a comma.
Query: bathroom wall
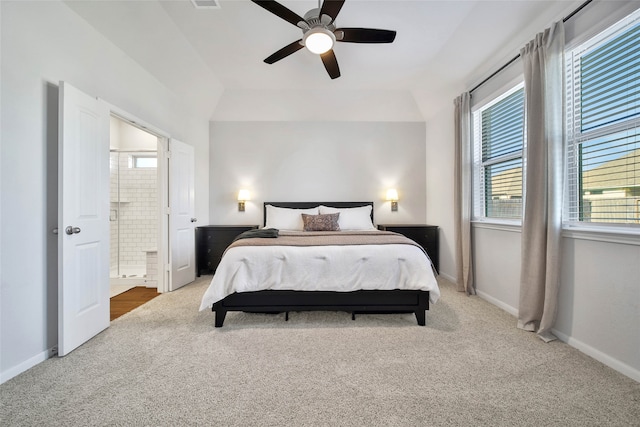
[[137, 213], [134, 199]]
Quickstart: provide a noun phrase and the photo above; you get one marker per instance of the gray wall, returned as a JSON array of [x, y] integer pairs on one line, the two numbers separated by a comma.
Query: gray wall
[[44, 42], [317, 161]]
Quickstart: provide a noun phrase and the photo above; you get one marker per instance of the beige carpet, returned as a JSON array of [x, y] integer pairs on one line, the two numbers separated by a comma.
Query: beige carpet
[[164, 364]]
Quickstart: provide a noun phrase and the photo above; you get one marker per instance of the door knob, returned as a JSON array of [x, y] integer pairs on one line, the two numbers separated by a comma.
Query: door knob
[[194, 219], [72, 230]]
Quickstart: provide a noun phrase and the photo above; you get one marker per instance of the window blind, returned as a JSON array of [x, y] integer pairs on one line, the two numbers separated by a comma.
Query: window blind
[[502, 127], [499, 139], [604, 127], [610, 76]]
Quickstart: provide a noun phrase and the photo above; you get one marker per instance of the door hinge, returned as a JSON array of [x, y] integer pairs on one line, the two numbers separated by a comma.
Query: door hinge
[[167, 154], [167, 211], [168, 268]]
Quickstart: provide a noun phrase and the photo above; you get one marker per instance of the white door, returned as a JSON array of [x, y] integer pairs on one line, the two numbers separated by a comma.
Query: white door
[[83, 212], [181, 215]]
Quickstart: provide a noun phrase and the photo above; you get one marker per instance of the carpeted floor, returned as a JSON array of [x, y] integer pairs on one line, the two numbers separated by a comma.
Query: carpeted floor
[[164, 364]]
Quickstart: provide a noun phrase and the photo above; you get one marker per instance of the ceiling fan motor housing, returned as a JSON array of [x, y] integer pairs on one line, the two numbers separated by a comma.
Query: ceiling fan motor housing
[[313, 20]]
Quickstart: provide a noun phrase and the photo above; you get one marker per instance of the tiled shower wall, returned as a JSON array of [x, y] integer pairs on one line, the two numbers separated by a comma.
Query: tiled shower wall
[[137, 212]]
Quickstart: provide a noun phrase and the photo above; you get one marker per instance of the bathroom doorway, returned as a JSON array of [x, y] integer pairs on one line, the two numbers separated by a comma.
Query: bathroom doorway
[[133, 207]]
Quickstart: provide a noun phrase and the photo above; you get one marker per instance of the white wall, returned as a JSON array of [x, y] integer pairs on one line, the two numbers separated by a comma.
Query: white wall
[[599, 301], [43, 43], [335, 104], [317, 161], [440, 177], [496, 257], [124, 136]]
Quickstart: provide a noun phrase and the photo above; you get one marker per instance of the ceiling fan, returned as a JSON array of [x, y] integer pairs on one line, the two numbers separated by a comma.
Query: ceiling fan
[[319, 32]]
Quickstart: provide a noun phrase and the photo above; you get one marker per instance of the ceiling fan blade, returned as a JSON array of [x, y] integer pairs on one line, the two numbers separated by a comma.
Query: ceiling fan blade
[[364, 35], [280, 11], [285, 51], [331, 64], [331, 8]]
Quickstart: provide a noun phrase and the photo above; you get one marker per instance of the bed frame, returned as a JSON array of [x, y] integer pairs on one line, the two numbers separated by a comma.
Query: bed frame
[[355, 302]]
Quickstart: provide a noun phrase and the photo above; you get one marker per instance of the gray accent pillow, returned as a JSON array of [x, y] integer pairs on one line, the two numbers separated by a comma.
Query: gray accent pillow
[[328, 222]]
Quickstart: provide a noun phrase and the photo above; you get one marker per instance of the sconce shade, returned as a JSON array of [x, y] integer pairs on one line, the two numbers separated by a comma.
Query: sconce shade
[[243, 196], [392, 196]]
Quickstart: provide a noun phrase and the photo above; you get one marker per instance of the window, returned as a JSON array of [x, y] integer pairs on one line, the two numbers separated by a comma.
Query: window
[[603, 124], [145, 161], [498, 141]]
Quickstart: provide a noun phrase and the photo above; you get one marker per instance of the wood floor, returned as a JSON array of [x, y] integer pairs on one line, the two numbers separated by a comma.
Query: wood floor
[[133, 298]]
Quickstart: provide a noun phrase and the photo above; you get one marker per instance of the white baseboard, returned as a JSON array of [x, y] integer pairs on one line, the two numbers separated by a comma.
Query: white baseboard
[[511, 310], [619, 366], [27, 364], [601, 357]]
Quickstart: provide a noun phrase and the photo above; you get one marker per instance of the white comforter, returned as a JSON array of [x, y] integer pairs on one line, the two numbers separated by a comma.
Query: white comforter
[[321, 268]]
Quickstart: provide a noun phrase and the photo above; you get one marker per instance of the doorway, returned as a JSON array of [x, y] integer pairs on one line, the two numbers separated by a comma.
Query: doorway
[[133, 207], [83, 203]]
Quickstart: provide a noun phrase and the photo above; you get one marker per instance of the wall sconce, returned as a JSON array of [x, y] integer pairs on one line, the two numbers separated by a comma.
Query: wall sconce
[[392, 196], [243, 196]]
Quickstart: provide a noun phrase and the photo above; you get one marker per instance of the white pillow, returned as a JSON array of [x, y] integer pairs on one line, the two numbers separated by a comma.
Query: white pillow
[[287, 218], [351, 218]]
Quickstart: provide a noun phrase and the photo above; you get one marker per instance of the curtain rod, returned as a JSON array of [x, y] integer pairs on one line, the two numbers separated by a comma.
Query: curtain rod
[[512, 60]]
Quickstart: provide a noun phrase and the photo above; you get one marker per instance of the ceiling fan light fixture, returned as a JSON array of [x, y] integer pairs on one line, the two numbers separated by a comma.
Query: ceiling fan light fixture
[[320, 32], [319, 40]]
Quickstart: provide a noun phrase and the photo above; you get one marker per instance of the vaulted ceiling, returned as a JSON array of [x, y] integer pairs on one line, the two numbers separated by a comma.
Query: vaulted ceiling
[[214, 57]]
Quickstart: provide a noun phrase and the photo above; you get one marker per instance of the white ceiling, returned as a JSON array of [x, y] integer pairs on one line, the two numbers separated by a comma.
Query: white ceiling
[[214, 57]]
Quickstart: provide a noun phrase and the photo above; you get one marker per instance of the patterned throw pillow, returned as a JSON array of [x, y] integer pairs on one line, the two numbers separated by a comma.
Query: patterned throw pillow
[[328, 222]]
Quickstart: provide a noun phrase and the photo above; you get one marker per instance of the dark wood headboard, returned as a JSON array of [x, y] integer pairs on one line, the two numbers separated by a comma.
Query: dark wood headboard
[[307, 205]]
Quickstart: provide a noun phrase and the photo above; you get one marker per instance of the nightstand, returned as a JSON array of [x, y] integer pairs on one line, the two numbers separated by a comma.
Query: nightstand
[[424, 235], [211, 241]]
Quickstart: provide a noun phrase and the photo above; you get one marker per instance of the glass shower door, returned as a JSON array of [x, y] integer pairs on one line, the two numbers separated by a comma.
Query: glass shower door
[[114, 211]]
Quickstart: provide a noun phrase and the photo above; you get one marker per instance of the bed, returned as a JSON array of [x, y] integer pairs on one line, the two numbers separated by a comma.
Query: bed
[[292, 273]]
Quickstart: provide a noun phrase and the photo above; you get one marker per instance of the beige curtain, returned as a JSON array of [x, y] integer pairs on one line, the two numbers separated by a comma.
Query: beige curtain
[[542, 219], [462, 193]]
